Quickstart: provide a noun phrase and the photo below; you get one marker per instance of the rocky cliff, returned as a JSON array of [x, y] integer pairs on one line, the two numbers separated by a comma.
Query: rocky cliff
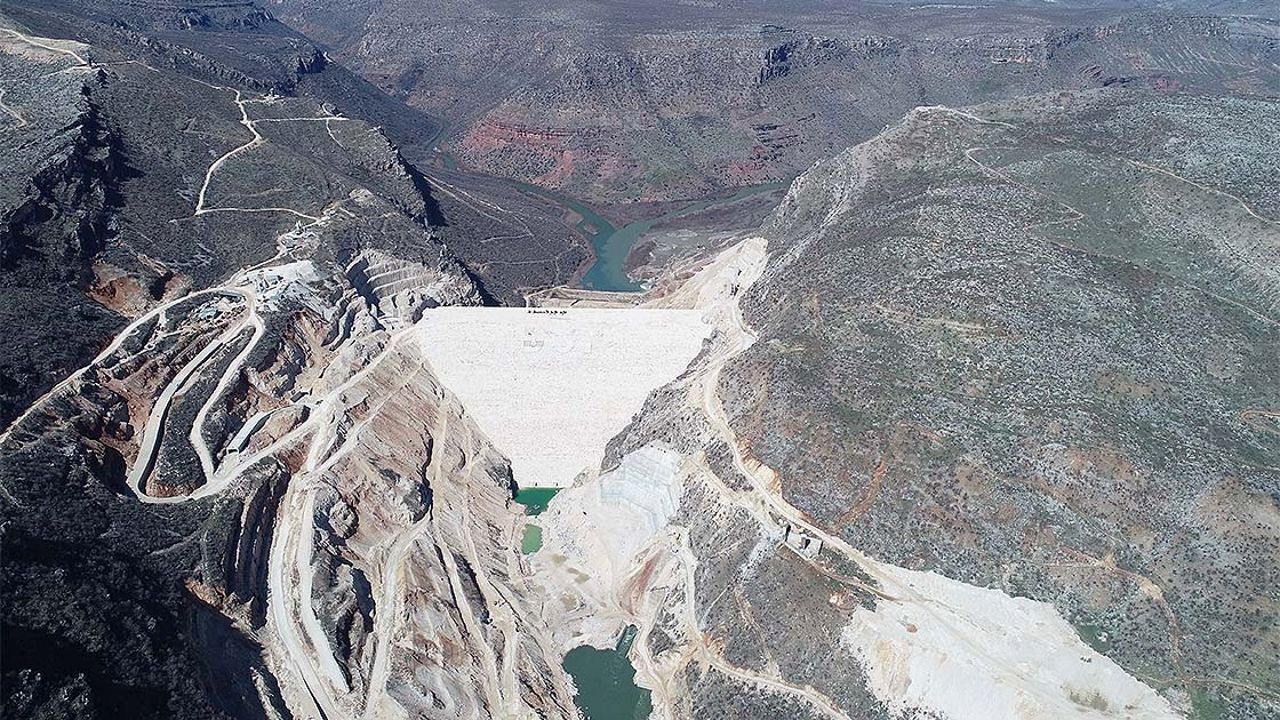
[[983, 424], [208, 281], [619, 102]]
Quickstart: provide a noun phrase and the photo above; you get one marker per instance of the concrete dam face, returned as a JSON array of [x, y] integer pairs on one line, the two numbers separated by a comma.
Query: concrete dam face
[[551, 386]]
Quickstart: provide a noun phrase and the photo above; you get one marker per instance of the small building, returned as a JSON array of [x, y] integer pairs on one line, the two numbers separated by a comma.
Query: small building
[[803, 544]]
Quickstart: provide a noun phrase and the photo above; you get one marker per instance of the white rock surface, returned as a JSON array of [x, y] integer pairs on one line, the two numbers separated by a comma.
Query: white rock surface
[[643, 484], [597, 537], [966, 652]]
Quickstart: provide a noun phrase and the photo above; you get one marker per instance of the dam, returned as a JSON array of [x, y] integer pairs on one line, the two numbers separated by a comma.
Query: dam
[[551, 386]]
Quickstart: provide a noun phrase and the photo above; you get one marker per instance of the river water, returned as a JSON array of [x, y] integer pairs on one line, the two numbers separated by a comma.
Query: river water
[[612, 244], [606, 682], [534, 500]]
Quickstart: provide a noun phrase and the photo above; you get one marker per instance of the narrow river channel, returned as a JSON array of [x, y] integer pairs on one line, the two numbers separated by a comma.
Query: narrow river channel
[[612, 244]]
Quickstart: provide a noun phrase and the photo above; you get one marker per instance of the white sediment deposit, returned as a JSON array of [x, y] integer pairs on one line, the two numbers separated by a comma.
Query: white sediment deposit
[[965, 652], [550, 387]]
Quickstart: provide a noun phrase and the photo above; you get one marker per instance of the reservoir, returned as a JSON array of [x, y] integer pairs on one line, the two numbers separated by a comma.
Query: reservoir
[[606, 682], [612, 244]]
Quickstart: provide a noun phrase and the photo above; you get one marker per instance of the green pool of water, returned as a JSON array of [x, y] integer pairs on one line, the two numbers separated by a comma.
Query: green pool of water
[[606, 682], [535, 499], [532, 540]]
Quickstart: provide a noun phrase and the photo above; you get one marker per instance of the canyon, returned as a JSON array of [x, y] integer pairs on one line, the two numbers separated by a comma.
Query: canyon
[[313, 407], [617, 102]]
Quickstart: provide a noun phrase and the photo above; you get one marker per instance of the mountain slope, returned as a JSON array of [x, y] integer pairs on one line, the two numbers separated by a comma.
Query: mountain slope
[[624, 101], [1033, 347], [145, 338]]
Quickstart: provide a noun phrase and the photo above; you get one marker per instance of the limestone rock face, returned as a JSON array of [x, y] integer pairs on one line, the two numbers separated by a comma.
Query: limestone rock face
[[292, 516], [401, 290], [371, 555]]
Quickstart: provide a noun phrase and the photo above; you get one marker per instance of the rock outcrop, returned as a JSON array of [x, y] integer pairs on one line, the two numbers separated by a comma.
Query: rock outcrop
[[667, 103], [227, 503]]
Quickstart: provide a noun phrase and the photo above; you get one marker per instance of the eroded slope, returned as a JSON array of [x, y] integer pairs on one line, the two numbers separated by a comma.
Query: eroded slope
[[627, 101], [1034, 347]]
